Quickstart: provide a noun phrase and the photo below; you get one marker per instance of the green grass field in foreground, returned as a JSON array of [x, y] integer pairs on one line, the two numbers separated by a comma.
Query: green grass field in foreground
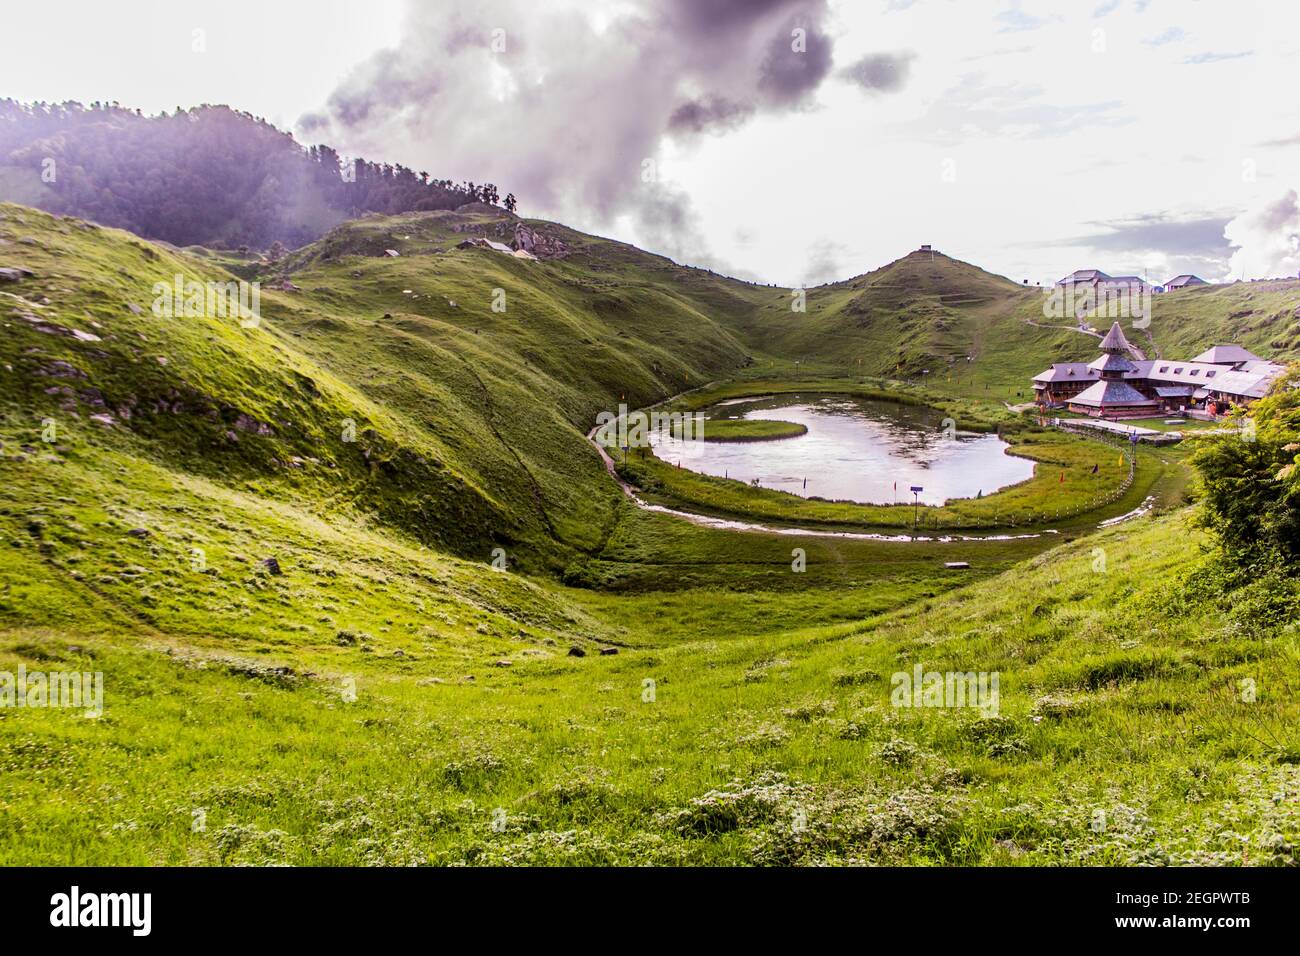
[[1121, 701]]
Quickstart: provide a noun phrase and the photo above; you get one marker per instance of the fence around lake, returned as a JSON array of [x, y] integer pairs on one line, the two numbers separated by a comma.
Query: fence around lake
[[935, 522]]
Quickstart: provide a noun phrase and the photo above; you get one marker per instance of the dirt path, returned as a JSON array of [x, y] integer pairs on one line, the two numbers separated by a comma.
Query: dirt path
[[1137, 353], [1064, 328]]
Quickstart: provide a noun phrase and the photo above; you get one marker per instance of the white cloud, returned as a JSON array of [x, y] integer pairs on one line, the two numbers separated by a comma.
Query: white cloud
[[1267, 240], [1074, 125]]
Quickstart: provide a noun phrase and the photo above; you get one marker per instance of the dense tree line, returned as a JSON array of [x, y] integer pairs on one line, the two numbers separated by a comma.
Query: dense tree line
[[209, 175]]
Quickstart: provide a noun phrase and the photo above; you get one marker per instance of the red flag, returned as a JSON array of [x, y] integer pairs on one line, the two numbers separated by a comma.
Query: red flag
[[1062, 478]]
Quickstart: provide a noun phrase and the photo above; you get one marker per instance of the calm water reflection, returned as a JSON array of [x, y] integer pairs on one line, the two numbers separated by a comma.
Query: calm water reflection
[[855, 450]]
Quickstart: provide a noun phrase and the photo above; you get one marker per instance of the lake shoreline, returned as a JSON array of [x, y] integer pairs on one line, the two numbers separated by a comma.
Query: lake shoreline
[[853, 450]]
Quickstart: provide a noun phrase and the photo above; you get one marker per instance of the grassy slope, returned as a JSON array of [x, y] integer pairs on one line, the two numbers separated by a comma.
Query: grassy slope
[[1262, 316], [466, 419], [923, 317], [224, 679], [1119, 697]]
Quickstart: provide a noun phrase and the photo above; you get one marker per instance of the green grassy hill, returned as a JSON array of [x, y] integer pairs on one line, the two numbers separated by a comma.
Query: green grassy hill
[[1262, 316], [362, 592], [964, 331], [927, 318], [467, 422]]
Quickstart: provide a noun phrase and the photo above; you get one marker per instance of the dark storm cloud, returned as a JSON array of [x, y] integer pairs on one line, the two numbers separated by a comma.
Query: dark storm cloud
[[708, 16], [1159, 232], [1279, 213], [794, 65], [880, 72], [712, 113], [355, 105], [580, 97], [1193, 244]]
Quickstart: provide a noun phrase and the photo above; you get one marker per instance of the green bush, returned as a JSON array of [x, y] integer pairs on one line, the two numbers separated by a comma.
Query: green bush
[[1252, 487]]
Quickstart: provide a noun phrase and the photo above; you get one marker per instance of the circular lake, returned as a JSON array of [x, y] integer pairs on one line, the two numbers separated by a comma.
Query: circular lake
[[854, 450]]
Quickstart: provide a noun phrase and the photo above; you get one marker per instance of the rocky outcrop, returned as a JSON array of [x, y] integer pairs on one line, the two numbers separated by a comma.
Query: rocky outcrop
[[481, 243], [50, 327], [539, 244]]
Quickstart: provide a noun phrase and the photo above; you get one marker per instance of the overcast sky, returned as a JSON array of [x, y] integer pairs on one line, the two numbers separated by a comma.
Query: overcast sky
[[781, 140]]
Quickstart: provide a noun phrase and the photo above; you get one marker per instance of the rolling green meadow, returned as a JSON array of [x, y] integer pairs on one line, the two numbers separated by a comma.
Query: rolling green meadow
[[362, 592]]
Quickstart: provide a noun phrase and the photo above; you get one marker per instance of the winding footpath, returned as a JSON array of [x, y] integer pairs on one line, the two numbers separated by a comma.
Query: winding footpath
[[1137, 353]]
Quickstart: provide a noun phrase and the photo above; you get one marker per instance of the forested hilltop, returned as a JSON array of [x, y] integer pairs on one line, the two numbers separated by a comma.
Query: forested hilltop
[[209, 176]]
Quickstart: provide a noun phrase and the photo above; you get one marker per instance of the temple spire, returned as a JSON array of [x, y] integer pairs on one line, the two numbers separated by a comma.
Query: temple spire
[[1114, 342]]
